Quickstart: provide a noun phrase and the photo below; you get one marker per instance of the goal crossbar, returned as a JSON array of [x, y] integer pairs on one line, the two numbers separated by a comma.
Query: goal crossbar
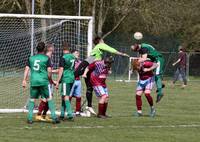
[[80, 35], [45, 16]]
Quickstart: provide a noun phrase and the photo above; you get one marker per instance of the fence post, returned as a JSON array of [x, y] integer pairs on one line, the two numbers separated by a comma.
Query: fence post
[[188, 66]]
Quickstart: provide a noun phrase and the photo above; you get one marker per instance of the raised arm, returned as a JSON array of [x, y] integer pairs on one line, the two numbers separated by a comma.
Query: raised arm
[[109, 49]]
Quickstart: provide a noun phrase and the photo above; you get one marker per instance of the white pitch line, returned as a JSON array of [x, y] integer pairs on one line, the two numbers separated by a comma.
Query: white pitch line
[[103, 127], [139, 126]]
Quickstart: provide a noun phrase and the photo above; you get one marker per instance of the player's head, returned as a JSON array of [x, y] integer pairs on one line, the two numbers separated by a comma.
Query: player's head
[[181, 48], [136, 47], [97, 40], [40, 47], [49, 49], [108, 61], [66, 48], [136, 65], [76, 53]]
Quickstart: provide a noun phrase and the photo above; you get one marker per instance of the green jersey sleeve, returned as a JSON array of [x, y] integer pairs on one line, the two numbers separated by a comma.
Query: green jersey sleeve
[[97, 51], [107, 48]]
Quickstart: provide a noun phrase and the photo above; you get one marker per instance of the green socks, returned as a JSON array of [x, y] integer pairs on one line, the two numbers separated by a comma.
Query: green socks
[[158, 84], [30, 110], [69, 109], [52, 109], [62, 109]]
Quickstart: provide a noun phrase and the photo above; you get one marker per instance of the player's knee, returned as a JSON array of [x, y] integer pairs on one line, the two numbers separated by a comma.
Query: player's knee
[[107, 98], [103, 98], [147, 92], [139, 93]]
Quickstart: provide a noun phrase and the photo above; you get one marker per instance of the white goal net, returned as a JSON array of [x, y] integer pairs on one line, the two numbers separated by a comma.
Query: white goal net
[[19, 36]]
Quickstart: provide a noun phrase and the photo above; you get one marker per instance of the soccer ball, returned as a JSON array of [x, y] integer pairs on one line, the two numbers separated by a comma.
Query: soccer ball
[[138, 35]]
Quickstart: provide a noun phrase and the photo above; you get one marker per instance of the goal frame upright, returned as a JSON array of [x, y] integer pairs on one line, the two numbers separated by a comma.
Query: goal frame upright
[[88, 29]]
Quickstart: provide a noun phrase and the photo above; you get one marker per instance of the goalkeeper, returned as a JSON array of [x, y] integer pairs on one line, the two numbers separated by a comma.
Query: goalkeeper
[[95, 55], [148, 51]]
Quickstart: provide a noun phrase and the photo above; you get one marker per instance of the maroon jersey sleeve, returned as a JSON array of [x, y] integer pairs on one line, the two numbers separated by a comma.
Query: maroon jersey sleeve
[[145, 75], [92, 66], [147, 64]]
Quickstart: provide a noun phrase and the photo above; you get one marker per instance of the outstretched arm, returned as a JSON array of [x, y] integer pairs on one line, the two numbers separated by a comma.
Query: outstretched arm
[[109, 49]]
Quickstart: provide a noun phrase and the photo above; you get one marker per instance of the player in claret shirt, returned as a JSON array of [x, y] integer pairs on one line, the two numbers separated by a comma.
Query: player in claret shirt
[[99, 72], [148, 51], [145, 84], [76, 88]]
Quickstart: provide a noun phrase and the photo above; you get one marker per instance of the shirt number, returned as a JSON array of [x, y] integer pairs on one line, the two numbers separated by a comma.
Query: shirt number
[[36, 66], [72, 64]]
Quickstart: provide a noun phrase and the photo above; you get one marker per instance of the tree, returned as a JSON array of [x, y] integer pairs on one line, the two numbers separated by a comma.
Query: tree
[[105, 10]]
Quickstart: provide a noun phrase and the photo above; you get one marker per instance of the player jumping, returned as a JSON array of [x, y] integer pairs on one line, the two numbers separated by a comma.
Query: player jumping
[[148, 51]]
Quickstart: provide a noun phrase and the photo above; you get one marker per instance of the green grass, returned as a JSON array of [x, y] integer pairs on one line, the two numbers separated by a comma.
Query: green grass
[[177, 120]]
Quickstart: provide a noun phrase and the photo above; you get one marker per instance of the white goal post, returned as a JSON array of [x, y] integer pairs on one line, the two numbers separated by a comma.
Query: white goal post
[[20, 33], [130, 71]]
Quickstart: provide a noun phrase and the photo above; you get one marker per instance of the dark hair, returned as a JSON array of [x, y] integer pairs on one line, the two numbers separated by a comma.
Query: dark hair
[[96, 40], [136, 47], [109, 60], [74, 50], [40, 47], [181, 48]]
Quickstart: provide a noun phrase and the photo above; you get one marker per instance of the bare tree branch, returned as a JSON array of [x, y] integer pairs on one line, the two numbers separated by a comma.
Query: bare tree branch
[[131, 4]]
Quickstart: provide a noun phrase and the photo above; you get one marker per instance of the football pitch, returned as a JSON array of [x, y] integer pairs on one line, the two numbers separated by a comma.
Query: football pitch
[[177, 120]]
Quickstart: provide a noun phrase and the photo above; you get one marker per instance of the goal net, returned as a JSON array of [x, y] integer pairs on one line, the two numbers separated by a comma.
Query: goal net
[[19, 34]]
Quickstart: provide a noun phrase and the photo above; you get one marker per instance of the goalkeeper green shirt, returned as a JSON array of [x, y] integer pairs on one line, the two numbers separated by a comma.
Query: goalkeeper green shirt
[[67, 62], [151, 52], [97, 51], [38, 65]]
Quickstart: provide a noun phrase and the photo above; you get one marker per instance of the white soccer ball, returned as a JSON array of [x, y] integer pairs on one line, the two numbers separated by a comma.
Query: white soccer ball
[[138, 35]]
